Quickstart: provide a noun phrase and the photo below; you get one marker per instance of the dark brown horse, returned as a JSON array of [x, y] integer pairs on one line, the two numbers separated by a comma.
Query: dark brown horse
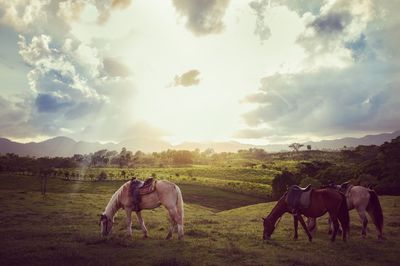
[[321, 202]]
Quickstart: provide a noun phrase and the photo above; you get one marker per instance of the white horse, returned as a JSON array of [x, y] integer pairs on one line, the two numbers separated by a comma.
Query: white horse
[[364, 200], [166, 193]]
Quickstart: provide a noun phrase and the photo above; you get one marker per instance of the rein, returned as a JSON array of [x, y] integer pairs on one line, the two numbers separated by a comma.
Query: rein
[[279, 220]]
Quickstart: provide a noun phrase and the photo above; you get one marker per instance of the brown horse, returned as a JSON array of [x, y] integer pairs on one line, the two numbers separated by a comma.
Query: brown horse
[[321, 202], [166, 193]]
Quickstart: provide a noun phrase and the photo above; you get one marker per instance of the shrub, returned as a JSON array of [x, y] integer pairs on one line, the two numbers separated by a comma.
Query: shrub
[[281, 183], [102, 176], [315, 183]]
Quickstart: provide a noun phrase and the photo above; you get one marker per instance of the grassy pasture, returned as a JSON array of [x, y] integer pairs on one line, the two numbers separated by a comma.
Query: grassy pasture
[[232, 179], [62, 229]]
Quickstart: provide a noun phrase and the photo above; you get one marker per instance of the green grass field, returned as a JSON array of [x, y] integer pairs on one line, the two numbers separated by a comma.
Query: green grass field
[[221, 227]]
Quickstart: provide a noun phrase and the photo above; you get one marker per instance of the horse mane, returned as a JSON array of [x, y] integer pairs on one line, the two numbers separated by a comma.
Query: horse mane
[[114, 204]]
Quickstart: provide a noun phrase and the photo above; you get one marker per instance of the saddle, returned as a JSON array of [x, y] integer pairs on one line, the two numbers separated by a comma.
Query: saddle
[[139, 188], [344, 186], [144, 187], [298, 198]]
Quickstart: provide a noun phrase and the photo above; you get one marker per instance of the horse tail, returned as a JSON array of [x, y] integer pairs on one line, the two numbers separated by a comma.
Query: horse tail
[[374, 209], [179, 203], [344, 214]]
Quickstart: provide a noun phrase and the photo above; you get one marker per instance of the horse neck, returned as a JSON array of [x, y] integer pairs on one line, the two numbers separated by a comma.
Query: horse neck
[[279, 209], [114, 204]]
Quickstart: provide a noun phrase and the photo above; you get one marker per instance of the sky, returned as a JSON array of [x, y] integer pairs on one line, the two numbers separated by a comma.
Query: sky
[[257, 72]]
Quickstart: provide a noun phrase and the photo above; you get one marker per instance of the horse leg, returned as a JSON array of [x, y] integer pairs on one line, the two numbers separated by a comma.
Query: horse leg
[[335, 227], [296, 225], [177, 220], [312, 225], [330, 226], [129, 221], [171, 228], [363, 221], [142, 225], [305, 227]]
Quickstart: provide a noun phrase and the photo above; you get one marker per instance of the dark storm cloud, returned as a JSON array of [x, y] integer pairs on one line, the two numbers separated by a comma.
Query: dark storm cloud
[[329, 101], [332, 23]]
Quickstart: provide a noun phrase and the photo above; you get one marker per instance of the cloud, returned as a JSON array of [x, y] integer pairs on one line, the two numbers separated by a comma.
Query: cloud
[[105, 7], [202, 17], [254, 133], [355, 99], [115, 68], [12, 114], [332, 22], [261, 30], [53, 16], [70, 10], [63, 81], [187, 79], [302, 6], [21, 14], [51, 103], [120, 3], [329, 32]]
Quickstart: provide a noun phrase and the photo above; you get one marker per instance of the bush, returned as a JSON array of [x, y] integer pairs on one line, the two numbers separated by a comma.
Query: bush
[[281, 183], [367, 180], [102, 176], [315, 183]]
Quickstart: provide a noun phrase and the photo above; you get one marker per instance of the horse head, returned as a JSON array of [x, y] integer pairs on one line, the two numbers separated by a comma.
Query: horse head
[[269, 227], [105, 225]]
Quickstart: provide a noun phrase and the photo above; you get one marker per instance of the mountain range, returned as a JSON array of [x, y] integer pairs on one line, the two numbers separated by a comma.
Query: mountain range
[[64, 146]]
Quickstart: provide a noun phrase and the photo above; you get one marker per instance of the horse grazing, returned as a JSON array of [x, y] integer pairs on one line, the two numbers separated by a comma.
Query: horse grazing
[[321, 202], [165, 193], [363, 200]]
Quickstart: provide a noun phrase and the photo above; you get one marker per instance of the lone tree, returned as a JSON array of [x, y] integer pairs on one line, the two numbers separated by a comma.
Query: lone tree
[[296, 146]]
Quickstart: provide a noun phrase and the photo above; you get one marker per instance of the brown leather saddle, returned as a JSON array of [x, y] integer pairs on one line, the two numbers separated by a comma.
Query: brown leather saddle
[[144, 187], [149, 185], [139, 188]]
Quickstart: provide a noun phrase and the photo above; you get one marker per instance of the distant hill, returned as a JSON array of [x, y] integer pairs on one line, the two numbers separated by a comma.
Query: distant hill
[[64, 146], [58, 146], [354, 142]]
